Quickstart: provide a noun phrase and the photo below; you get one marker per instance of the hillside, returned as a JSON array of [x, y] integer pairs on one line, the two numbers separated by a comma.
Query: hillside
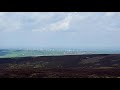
[[94, 65]]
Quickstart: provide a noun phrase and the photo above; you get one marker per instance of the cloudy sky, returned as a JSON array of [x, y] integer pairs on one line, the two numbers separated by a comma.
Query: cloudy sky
[[59, 29]]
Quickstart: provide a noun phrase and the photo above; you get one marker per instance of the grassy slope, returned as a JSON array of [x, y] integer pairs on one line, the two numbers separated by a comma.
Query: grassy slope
[[26, 53]]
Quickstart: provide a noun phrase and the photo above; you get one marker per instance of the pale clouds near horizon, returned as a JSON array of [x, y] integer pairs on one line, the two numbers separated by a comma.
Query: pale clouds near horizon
[[70, 29]]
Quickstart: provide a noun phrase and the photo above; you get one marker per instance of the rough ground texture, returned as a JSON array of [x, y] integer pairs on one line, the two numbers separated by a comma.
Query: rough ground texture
[[69, 66]]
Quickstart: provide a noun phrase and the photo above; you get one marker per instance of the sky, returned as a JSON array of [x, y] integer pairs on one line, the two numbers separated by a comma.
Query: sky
[[60, 29]]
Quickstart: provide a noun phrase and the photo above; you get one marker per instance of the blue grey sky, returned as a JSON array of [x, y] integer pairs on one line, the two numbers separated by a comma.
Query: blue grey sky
[[60, 29]]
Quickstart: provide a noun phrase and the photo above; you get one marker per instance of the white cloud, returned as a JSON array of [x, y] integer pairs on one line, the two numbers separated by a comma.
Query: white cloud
[[54, 21], [3, 13], [109, 14], [8, 24], [61, 25], [65, 23], [39, 21]]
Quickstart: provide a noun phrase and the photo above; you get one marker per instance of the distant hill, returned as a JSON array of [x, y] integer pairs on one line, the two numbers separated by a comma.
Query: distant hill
[[8, 53]]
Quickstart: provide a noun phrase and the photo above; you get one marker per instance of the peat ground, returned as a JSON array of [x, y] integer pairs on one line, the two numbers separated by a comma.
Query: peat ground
[[69, 66]]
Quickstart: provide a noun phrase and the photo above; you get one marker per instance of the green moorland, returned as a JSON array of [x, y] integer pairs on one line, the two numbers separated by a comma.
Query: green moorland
[[25, 53]]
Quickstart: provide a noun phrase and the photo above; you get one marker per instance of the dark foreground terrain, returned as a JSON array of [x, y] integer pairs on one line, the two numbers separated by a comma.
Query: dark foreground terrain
[[69, 66]]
